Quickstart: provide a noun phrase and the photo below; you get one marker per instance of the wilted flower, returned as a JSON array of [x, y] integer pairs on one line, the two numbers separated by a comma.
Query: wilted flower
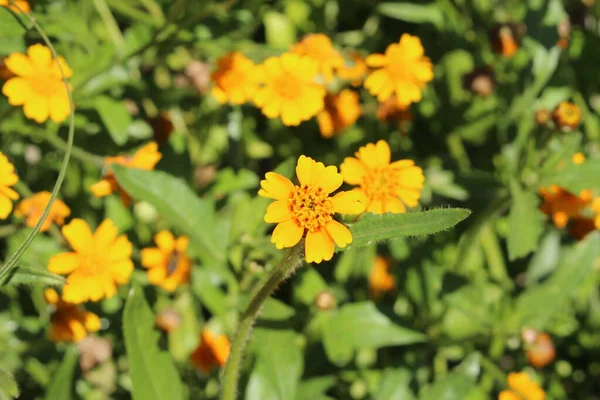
[[386, 186], [542, 116], [522, 387], [168, 320], [354, 72], [403, 70], [100, 261], [235, 79], [380, 279], [38, 85], [325, 300], [212, 351], [341, 111], [198, 74], [481, 81], [308, 207], [33, 207], [162, 126], [540, 350], [21, 5], [566, 115], [8, 178], [69, 322], [145, 158], [168, 264], [290, 90], [318, 47]]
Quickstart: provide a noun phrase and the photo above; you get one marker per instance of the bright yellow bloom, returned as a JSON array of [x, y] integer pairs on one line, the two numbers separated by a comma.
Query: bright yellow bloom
[[7, 179], [380, 279], [522, 387], [168, 264], [33, 207], [69, 322], [567, 115], [212, 350], [387, 187], [341, 111], [354, 72], [145, 158], [403, 70], [562, 205], [235, 80], [318, 47], [290, 90], [308, 207], [21, 5], [578, 158], [38, 86], [100, 261]]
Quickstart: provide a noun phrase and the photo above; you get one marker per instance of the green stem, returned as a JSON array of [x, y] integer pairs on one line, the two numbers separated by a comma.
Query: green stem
[[77, 152], [111, 24], [290, 262]]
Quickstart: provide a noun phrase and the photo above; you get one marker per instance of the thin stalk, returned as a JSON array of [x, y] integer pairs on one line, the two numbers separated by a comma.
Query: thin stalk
[[111, 24], [290, 262]]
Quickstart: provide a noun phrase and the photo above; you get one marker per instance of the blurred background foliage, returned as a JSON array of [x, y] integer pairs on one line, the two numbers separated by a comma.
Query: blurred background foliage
[[457, 316]]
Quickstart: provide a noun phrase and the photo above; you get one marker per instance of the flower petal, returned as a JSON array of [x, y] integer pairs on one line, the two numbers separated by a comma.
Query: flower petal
[[6, 207], [78, 234], [165, 241], [339, 233], [120, 249], [319, 246], [329, 179], [353, 171], [152, 257], [278, 211], [350, 202], [106, 234], [287, 234], [37, 108], [309, 171], [18, 90], [40, 56], [276, 186], [121, 271], [63, 263]]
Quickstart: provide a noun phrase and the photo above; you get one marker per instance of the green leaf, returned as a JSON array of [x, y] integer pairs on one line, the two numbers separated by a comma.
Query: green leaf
[[153, 373], [179, 205], [374, 228], [361, 325], [457, 384], [315, 388], [545, 259], [279, 29], [395, 385], [278, 367], [61, 385], [576, 177], [30, 275], [416, 13], [526, 223], [115, 117], [8, 385]]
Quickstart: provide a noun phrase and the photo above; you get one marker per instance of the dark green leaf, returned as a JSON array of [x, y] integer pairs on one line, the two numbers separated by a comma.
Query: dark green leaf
[[29, 275], [526, 223], [457, 384], [417, 13], [545, 259], [61, 385], [115, 117], [8, 385], [395, 385]]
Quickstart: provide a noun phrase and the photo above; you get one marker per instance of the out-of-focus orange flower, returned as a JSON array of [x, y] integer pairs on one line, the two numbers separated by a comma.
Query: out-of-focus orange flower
[[522, 387], [380, 279], [69, 322], [319, 47], [168, 264], [354, 72], [212, 351], [34, 206], [581, 227], [341, 111], [145, 158], [542, 116], [566, 115], [5, 73], [168, 320], [506, 38], [235, 79], [562, 205], [481, 81], [540, 350], [391, 111], [21, 5]]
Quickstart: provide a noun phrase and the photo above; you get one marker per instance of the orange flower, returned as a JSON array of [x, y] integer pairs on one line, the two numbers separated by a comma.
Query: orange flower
[[522, 387], [33, 207], [567, 115], [308, 207], [168, 264], [562, 205], [290, 90], [69, 322], [354, 72], [386, 186], [211, 351], [341, 111], [235, 79], [318, 47], [403, 70], [145, 158], [380, 279], [8, 178], [100, 261], [540, 351], [506, 38], [21, 5], [580, 227], [389, 110]]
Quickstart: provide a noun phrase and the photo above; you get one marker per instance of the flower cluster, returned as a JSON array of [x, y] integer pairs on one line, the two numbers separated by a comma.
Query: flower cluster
[[294, 85]]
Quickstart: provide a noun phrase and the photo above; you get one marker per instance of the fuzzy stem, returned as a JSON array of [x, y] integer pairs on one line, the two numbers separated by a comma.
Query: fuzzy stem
[[291, 260]]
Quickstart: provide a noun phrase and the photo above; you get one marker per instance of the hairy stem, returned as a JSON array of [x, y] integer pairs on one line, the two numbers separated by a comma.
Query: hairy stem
[[291, 260]]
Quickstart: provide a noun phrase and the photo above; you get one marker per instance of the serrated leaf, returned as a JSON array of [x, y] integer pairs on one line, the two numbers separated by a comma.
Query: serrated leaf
[[115, 117], [8, 385], [29, 275], [179, 205], [576, 177], [153, 373], [61, 384], [526, 223], [374, 228], [416, 13]]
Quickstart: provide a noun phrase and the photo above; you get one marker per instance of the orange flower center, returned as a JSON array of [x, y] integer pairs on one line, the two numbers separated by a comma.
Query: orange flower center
[[381, 183], [286, 86], [47, 85], [311, 207], [93, 262]]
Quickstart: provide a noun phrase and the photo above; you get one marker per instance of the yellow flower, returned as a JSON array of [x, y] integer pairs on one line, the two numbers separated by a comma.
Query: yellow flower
[[69, 322], [354, 72], [21, 5], [33, 207], [522, 387], [7, 179], [567, 115], [38, 86], [403, 70], [145, 158], [290, 90], [380, 279], [100, 261], [308, 207], [235, 79], [341, 111], [562, 205], [212, 350], [318, 47], [387, 187], [168, 264], [578, 158]]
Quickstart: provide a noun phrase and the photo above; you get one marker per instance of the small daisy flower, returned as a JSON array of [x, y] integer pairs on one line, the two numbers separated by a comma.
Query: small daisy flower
[[566, 116], [341, 111], [98, 263], [168, 264], [33, 207], [8, 178], [212, 351], [386, 186], [319, 47], [308, 208], [235, 80], [380, 279], [38, 84], [403, 70], [69, 322]]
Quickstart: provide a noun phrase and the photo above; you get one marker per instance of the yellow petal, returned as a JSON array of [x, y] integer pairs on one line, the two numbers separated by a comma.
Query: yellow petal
[[63, 263], [40, 56], [394, 206], [309, 171], [376, 60], [105, 234], [508, 395], [278, 211], [19, 64], [121, 271], [353, 171], [165, 241], [6, 207], [329, 179], [350, 202], [59, 108], [383, 153], [36, 108], [78, 234], [152, 257], [286, 234], [103, 188], [376, 207], [276, 186], [18, 90], [182, 243], [91, 322], [319, 246], [120, 249], [339, 233]]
